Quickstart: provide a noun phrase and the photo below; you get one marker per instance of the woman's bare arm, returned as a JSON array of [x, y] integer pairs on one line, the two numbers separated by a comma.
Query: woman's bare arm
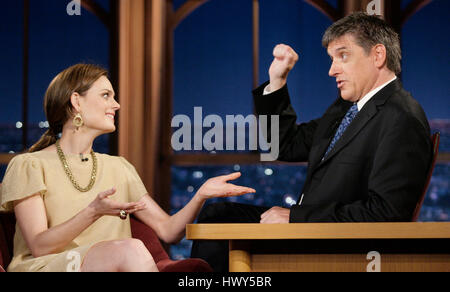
[[41, 240], [171, 229]]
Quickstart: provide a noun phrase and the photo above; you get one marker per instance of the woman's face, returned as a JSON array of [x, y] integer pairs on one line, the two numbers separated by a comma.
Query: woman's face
[[98, 106]]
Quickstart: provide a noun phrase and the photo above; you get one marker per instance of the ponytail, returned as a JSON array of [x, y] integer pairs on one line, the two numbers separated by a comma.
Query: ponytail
[[49, 138]]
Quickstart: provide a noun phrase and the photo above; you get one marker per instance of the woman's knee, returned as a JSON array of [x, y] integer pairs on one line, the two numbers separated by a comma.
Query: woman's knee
[[121, 255], [131, 244], [136, 253], [131, 248]]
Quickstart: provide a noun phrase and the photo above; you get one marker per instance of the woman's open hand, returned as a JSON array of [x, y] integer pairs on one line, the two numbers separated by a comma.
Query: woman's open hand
[[217, 187], [103, 205]]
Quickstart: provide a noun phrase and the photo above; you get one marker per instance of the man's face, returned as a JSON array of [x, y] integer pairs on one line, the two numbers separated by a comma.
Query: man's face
[[354, 70]]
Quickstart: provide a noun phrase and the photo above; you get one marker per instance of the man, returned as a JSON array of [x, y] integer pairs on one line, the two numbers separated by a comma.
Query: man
[[368, 155]]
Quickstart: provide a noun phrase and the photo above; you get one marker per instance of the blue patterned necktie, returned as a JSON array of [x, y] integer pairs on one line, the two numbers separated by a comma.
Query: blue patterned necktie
[[349, 116]]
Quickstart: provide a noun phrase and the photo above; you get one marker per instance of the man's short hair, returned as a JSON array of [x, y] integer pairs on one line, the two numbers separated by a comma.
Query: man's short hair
[[368, 32]]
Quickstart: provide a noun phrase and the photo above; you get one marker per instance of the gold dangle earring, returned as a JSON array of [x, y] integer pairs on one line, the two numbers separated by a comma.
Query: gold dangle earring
[[78, 121]]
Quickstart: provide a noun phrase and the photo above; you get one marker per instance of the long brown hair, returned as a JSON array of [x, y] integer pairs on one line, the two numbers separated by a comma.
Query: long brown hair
[[57, 105]]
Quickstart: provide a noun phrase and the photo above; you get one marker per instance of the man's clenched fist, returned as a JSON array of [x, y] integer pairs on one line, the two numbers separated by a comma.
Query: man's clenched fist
[[284, 60]]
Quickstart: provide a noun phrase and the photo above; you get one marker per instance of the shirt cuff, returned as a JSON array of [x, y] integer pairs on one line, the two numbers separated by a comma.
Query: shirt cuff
[[267, 90]]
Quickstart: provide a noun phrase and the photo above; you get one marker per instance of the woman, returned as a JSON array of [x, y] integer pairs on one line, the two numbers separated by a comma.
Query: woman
[[72, 204]]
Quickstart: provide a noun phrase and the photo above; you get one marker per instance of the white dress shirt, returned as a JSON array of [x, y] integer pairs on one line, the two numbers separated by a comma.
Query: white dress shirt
[[369, 95]]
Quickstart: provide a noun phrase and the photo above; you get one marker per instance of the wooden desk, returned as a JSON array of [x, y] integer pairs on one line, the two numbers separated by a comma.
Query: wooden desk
[[410, 246]]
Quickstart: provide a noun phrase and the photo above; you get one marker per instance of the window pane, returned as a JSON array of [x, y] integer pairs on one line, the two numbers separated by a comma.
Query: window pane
[[10, 138], [424, 37], [275, 185], [2, 171], [105, 4], [301, 26], [333, 3], [436, 206], [58, 41], [213, 61], [11, 43], [178, 3]]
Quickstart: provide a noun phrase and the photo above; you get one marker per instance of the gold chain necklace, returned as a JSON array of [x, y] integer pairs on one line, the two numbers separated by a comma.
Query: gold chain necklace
[[62, 157]]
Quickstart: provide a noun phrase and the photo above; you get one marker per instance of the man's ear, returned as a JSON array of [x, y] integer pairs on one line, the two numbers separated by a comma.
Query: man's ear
[[379, 51], [75, 101]]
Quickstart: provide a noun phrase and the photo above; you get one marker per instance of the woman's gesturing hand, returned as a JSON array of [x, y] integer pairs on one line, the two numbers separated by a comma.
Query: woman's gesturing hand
[[219, 187], [103, 205]]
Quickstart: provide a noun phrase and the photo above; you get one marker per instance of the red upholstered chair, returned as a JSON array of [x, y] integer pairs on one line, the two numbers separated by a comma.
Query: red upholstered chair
[[138, 229], [164, 263], [435, 142], [7, 229]]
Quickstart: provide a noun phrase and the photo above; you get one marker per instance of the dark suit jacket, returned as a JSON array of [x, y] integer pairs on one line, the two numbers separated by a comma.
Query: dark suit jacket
[[377, 169]]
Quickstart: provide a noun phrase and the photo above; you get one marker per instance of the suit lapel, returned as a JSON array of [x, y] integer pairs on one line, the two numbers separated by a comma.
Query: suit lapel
[[364, 116]]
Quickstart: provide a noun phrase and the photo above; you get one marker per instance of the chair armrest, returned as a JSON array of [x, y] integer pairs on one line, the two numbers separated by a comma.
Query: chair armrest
[[148, 236], [7, 230]]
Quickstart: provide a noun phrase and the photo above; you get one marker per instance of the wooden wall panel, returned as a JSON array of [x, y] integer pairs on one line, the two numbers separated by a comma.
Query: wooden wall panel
[[131, 82]]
